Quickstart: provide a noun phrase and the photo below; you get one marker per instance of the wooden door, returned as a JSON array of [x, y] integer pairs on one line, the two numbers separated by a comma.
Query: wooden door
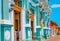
[[17, 26]]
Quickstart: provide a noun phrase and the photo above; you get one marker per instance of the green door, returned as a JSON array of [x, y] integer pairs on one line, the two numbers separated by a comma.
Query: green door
[[45, 33], [6, 32], [27, 30], [38, 34]]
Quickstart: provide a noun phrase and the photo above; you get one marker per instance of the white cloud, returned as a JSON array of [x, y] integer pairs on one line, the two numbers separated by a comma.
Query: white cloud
[[55, 6]]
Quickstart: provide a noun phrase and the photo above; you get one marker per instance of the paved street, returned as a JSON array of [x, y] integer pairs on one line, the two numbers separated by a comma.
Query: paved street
[[54, 38]]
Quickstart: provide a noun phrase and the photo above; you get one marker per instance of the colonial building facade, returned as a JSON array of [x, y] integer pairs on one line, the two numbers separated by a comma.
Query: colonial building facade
[[24, 20], [6, 20]]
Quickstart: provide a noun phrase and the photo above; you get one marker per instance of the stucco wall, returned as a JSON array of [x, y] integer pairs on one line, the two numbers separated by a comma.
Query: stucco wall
[[0, 9], [0, 19]]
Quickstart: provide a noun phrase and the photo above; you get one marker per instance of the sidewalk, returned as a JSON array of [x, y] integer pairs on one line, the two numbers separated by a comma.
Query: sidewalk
[[54, 38]]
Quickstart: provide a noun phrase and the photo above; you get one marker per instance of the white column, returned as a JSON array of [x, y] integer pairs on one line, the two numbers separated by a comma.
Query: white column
[[34, 22], [12, 31], [12, 22], [23, 24]]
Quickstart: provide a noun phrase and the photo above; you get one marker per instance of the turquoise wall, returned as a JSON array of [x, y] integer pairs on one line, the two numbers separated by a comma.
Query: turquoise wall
[[0, 9], [27, 16], [36, 12], [36, 1], [44, 17], [25, 3], [5, 9], [0, 32], [12, 0], [28, 5], [0, 19], [22, 3]]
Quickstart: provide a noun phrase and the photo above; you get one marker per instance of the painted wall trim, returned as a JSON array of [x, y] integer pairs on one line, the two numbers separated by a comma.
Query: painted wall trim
[[46, 28], [38, 27], [5, 22], [27, 25]]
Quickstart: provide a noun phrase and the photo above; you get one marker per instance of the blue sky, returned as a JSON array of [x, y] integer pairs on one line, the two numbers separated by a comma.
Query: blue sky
[[55, 16]]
